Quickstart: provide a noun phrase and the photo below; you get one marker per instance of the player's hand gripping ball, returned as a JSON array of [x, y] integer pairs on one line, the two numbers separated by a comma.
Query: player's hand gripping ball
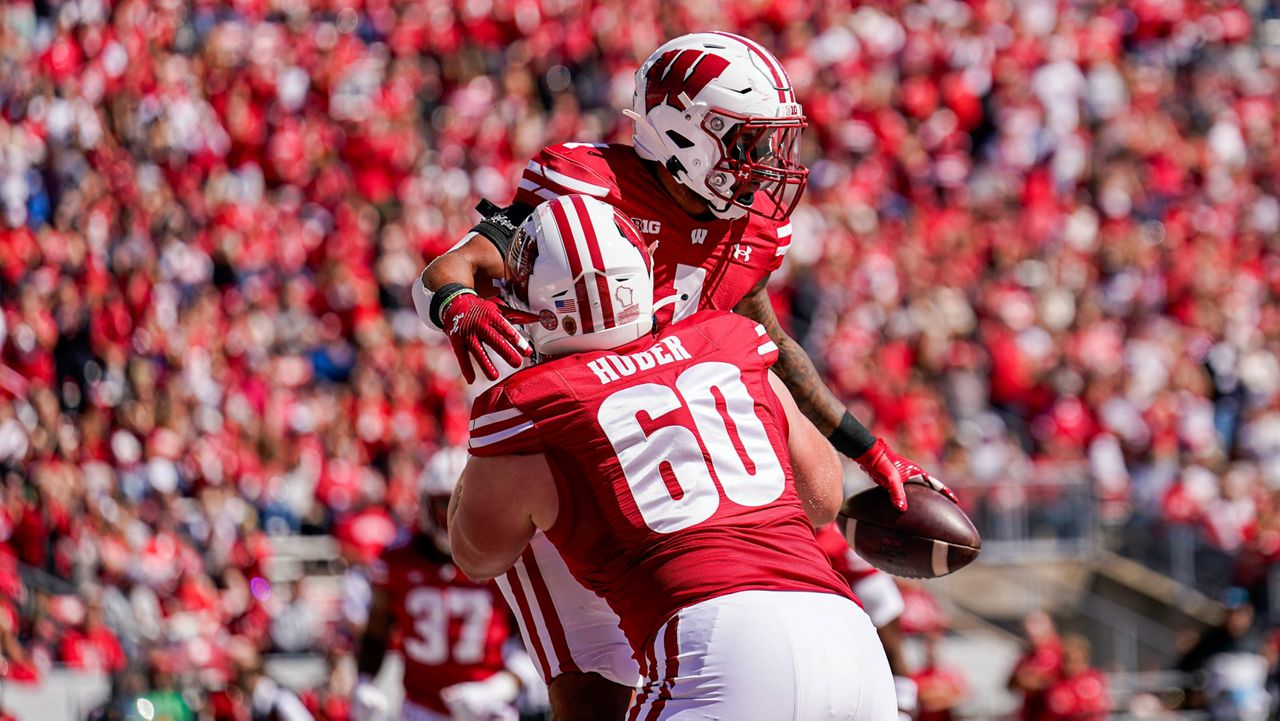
[[932, 538]]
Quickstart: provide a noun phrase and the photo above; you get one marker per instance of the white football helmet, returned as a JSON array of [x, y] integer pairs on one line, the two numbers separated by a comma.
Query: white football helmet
[[719, 112], [579, 277], [435, 486]]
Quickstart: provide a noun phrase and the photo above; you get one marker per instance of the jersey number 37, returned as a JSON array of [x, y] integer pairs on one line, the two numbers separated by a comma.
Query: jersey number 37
[[432, 610]]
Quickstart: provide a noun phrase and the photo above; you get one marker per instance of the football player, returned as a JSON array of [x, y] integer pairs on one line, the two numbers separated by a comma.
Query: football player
[[453, 631], [677, 479], [710, 182]]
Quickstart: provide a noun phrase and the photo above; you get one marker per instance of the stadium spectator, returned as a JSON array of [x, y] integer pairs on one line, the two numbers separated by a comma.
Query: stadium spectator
[[1079, 693], [1228, 662], [1035, 233], [940, 690], [1039, 667]]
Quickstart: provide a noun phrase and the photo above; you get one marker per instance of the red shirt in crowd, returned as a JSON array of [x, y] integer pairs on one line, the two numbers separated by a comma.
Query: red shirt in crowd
[[1045, 660], [94, 649], [1082, 697], [938, 690]]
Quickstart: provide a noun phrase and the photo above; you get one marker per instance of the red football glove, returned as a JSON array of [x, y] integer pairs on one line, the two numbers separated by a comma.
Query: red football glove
[[471, 322], [890, 470]]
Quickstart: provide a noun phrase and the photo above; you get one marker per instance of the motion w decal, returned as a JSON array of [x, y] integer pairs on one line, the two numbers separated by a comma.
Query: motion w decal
[[680, 71]]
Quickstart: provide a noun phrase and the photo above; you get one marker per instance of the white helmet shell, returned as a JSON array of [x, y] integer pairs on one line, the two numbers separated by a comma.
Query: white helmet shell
[[436, 484], [579, 267], [441, 474], [719, 112]]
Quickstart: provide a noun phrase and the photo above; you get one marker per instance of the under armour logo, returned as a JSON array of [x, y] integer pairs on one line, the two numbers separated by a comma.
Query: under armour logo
[[698, 236], [742, 252]]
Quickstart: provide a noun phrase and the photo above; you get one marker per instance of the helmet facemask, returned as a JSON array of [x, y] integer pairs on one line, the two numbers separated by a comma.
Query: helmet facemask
[[757, 156]]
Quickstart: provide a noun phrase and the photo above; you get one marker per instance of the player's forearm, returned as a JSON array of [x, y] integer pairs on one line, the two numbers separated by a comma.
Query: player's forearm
[[793, 366], [807, 387], [473, 263], [817, 402]]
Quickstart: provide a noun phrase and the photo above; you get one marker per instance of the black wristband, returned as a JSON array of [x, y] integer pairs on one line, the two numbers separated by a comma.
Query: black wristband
[[851, 437], [441, 298], [500, 224]]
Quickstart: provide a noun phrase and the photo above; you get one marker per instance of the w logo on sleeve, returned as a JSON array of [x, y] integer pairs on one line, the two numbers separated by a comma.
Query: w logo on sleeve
[[680, 71]]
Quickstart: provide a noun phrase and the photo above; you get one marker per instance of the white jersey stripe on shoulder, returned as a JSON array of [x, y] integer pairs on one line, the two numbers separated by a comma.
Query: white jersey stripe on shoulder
[[785, 230], [767, 348], [482, 441], [577, 186], [494, 417], [782, 250], [538, 190], [760, 329]]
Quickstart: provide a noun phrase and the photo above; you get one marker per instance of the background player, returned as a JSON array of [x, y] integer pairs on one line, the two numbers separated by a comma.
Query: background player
[[662, 469], [453, 632], [709, 183]]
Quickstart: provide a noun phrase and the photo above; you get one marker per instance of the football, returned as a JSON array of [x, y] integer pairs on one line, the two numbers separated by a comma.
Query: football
[[931, 539]]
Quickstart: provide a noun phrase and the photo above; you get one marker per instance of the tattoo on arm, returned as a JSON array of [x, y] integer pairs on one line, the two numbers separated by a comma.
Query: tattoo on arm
[[812, 397]]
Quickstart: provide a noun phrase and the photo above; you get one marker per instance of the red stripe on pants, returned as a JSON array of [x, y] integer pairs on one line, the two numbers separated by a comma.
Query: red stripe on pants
[[555, 629], [671, 649], [526, 613]]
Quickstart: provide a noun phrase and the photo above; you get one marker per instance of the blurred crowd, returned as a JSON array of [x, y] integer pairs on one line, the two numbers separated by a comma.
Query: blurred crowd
[[1037, 233]]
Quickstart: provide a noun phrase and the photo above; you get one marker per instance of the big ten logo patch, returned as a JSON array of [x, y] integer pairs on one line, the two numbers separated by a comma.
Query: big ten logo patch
[[648, 227]]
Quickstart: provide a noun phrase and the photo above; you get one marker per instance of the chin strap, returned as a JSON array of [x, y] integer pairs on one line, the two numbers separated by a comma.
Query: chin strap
[[669, 300]]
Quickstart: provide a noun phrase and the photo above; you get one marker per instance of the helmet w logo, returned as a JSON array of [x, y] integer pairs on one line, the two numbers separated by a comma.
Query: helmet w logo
[[680, 71]]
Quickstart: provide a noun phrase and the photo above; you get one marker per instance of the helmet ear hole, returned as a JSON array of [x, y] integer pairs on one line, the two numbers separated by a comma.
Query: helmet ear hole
[[681, 141]]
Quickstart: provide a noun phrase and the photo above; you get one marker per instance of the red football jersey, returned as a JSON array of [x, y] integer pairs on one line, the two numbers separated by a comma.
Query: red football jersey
[[845, 562], [671, 464], [713, 262], [451, 629]]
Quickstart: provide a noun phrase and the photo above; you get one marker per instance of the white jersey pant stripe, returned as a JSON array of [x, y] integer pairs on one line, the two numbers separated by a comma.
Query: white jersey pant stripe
[[767, 656], [565, 627], [541, 627], [663, 661]]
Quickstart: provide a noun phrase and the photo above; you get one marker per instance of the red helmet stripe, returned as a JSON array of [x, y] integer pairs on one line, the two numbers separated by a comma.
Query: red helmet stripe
[[575, 263], [597, 261], [780, 80]]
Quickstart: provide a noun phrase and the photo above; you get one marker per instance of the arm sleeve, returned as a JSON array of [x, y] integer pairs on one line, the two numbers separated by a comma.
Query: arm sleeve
[[499, 428], [500, 224]]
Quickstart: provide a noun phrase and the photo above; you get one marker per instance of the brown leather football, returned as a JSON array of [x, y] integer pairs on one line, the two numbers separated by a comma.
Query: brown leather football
[[932, 538]]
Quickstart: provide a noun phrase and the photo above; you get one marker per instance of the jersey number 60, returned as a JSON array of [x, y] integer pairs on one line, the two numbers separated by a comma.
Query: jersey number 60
[[669, 477]]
